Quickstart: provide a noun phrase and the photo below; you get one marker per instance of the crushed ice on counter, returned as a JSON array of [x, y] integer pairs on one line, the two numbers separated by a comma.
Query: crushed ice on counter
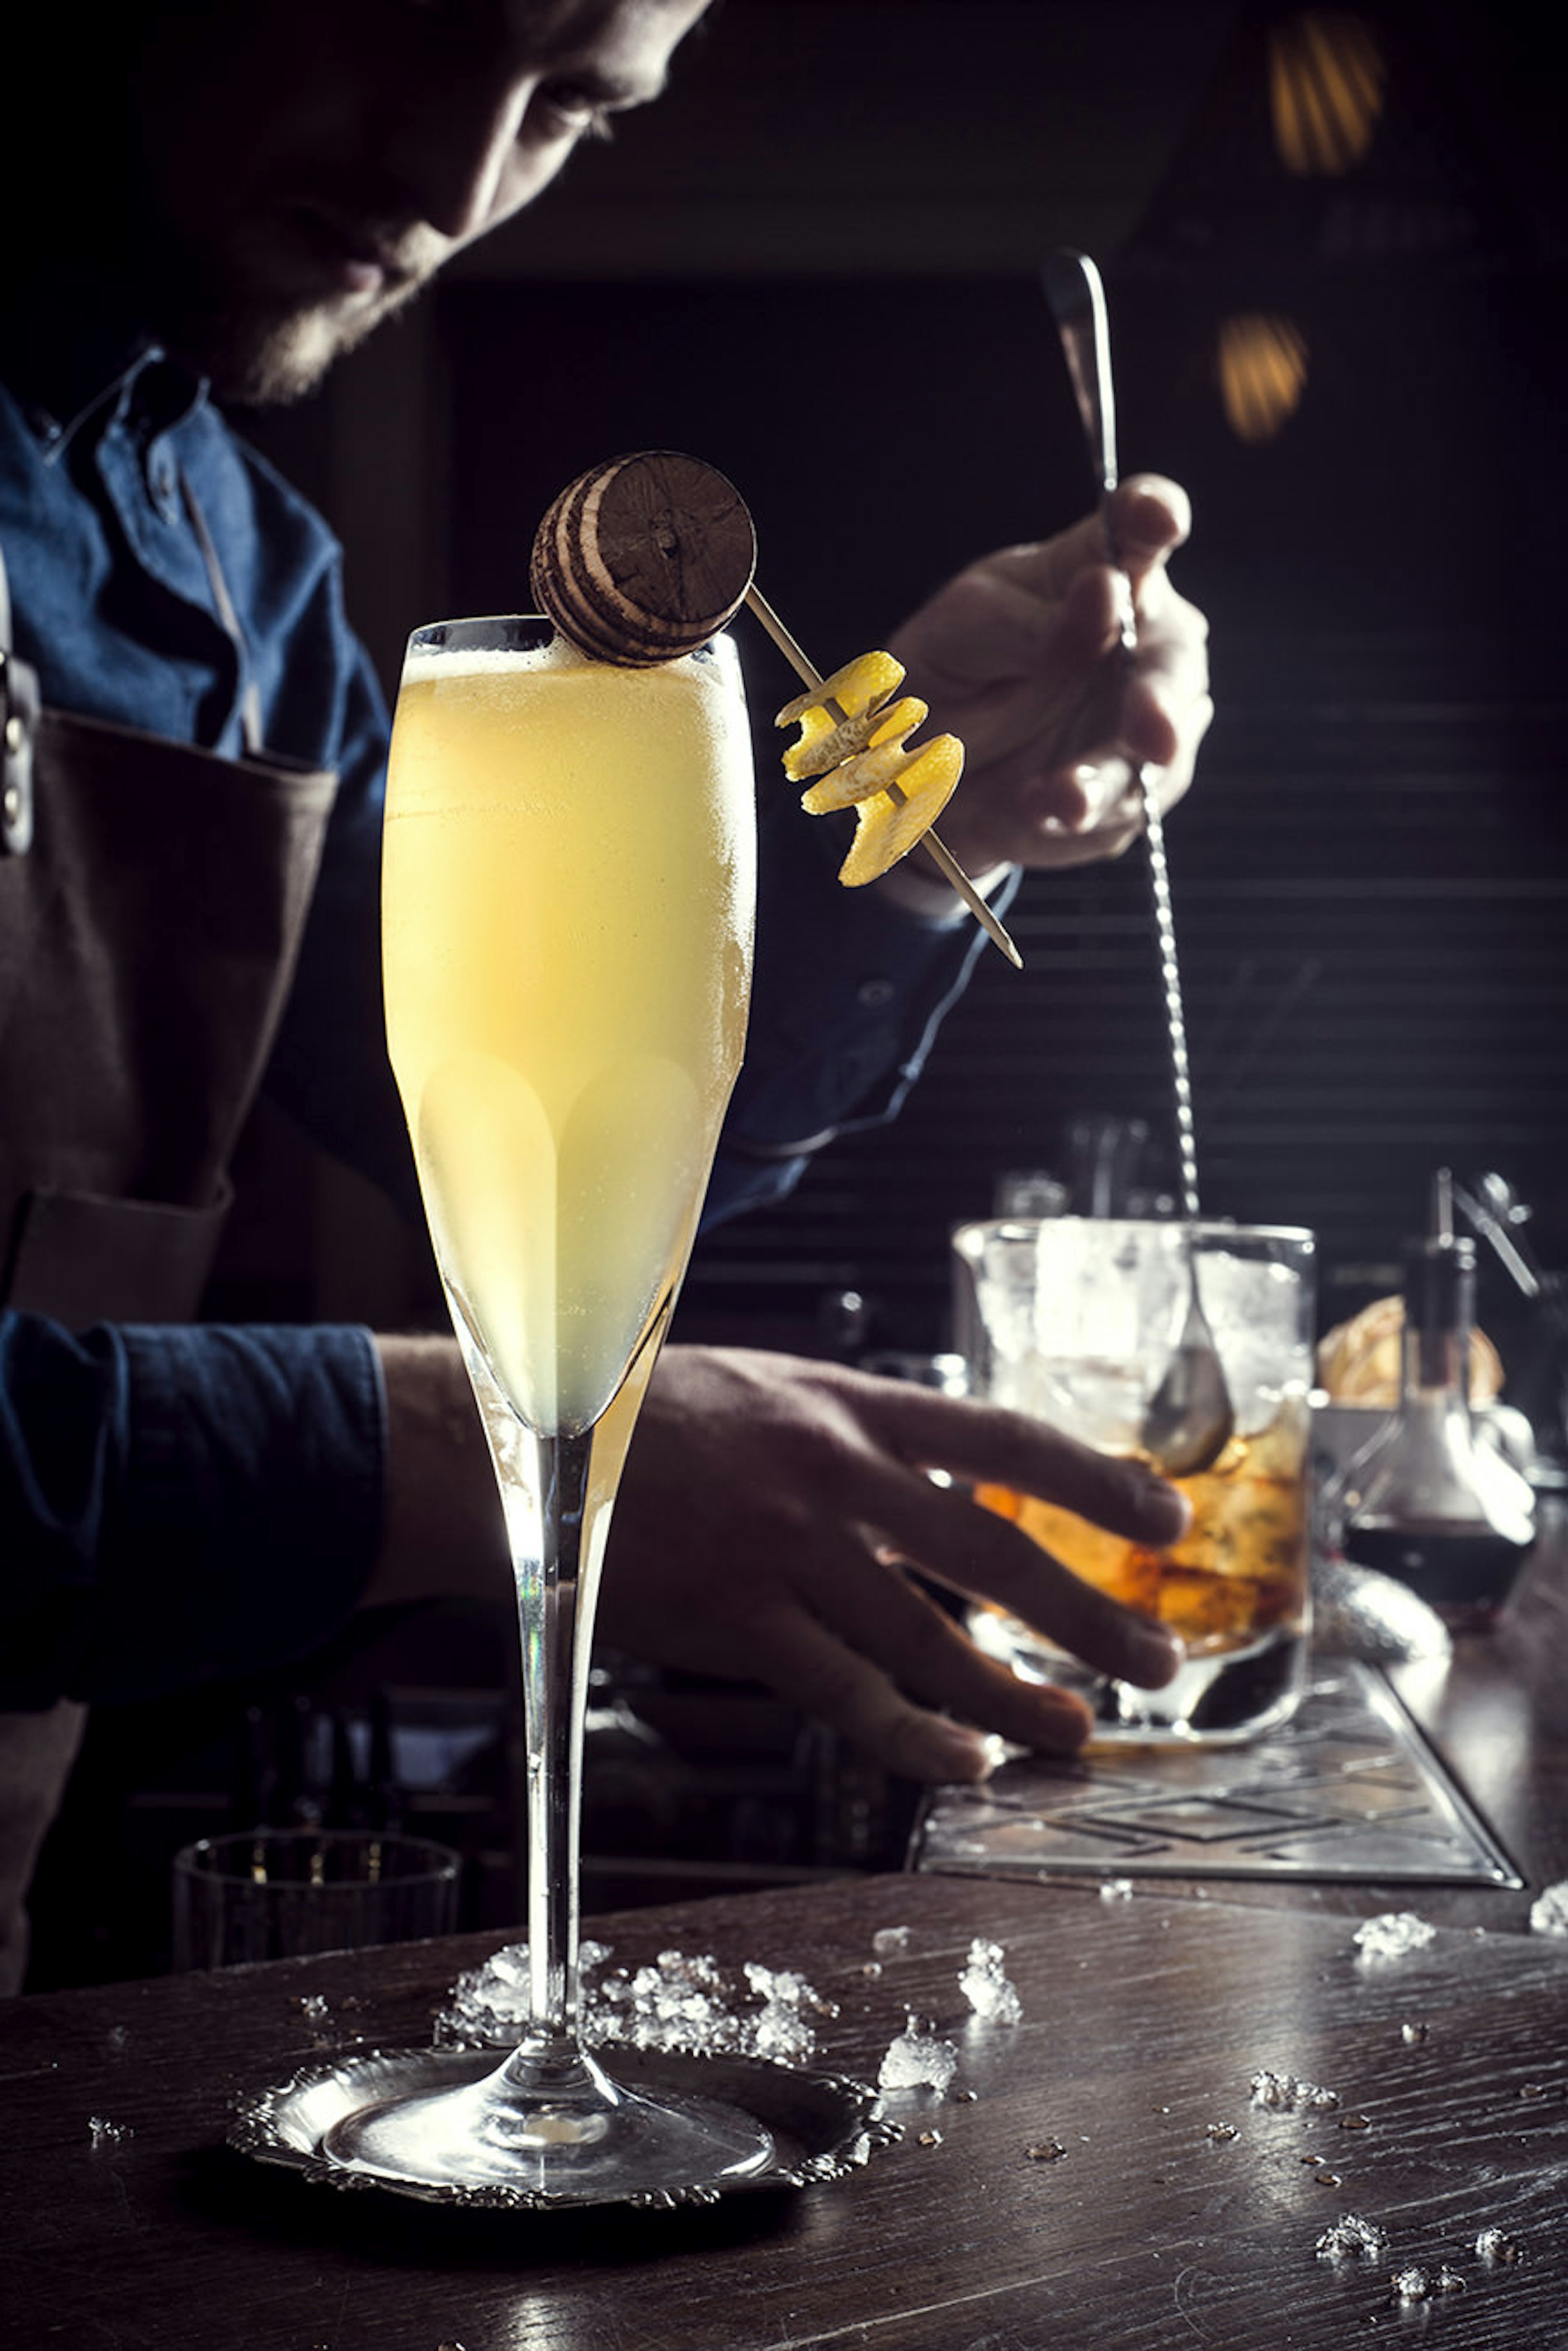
[[679, 2000], [985, 1986], [1495, 2245], [1045, 2150], [1220, 2132], [676, 2000], [779, 2030], [1549, 1911], [890, 1942], [104, 2133], [488, 2003], [1117, 1889], [1351, 2238], [1287, 2093], [1412, 2036], [315, 2011], [1415, 2284], [1393, 1936], [917, 2060]]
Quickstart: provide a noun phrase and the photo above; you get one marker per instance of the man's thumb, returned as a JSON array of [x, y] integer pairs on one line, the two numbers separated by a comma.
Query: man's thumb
[[1151, 517]]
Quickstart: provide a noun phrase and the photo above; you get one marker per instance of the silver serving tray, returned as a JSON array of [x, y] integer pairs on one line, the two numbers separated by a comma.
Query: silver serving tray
[[825, 2125]]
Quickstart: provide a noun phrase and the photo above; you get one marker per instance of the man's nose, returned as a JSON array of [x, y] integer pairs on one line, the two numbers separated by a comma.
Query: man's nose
[[451, 148]]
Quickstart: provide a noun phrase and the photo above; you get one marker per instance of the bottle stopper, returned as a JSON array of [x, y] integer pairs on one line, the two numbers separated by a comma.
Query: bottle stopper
[[1439, 1267], [644, 558]]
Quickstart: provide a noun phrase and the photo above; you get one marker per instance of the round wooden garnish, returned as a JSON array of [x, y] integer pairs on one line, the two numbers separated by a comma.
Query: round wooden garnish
[[644, 558]]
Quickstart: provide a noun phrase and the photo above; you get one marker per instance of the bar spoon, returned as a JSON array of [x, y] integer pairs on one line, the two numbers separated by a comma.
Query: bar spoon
[[1190, 1418]]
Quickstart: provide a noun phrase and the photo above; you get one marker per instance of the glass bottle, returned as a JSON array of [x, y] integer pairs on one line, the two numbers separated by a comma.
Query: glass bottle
[[1428, 1499]]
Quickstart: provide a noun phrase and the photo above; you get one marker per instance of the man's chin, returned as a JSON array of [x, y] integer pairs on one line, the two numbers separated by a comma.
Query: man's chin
[[267, 362]]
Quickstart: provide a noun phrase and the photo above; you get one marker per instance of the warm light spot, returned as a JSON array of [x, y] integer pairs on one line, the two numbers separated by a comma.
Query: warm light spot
[[1326, 89], [1262, 372]]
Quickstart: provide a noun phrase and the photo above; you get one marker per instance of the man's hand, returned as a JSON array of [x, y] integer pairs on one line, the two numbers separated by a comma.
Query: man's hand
[[766, 1504], [1021, 656]]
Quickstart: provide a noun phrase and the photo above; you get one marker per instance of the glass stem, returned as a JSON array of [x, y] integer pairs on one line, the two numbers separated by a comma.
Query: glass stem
[[555, 1592], [557, 1520], [557, 1494]]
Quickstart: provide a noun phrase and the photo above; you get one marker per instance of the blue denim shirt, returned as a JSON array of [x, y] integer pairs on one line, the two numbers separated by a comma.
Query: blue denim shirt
[[179, 1503]]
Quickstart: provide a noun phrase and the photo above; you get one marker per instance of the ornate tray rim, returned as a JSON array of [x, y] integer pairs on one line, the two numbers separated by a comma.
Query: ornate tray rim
[[826, 2126]]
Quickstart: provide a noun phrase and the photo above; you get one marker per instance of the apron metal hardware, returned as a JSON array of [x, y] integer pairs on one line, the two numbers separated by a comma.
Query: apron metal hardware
[[18, 725]]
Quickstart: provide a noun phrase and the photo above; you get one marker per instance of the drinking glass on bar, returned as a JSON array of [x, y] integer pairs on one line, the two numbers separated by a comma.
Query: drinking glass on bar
[[278, 1894], [1074, 1318]]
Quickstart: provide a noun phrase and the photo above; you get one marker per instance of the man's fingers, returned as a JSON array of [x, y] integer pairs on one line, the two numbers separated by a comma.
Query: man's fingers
[[978, 1552], [811, 1665], [1149, 520], [1151, 517], [1092, 808], [795, 1482], [993, 623], [881, 1613], [988, 1558], [993, 1445]]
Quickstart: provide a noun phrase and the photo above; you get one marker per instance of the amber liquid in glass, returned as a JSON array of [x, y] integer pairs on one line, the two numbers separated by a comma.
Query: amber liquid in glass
[[1240, 1572]]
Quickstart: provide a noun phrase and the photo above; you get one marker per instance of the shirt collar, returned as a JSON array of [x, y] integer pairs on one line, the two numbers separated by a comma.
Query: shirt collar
[[147, 385]]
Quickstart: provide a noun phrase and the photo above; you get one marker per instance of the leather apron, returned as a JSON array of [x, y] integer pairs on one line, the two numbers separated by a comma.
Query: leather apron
[[152, 901]]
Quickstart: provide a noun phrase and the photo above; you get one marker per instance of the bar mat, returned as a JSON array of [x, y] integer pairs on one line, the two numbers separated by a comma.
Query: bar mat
[[1348, 1790]]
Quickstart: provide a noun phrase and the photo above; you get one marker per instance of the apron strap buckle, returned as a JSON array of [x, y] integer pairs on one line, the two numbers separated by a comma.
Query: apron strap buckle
[[18, 728]]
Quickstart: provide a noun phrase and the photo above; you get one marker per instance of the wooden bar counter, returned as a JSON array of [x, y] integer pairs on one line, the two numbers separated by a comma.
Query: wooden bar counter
[[1100, 2175]]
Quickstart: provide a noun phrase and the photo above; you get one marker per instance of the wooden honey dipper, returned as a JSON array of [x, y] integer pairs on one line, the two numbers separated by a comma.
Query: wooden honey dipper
[[647, 556]]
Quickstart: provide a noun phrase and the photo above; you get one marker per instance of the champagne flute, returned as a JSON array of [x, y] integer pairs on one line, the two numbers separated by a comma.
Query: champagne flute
[[567, 894]]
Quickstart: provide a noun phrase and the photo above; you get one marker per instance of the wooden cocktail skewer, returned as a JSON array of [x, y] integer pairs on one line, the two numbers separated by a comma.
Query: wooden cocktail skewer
[[940, 853], [645, 558]]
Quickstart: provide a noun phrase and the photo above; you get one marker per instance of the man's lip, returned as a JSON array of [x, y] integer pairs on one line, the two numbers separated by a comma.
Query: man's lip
[[362, 274], [359, 260]]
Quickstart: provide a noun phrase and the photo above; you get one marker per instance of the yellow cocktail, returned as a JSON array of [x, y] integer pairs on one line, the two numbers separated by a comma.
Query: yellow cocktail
[[568, 887]]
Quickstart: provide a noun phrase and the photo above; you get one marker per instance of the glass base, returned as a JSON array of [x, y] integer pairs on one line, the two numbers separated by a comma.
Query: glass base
[[1221, 1699], [562, 2130]]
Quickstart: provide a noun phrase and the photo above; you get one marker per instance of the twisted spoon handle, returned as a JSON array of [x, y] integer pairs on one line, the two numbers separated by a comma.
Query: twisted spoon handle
[[1077, 300]]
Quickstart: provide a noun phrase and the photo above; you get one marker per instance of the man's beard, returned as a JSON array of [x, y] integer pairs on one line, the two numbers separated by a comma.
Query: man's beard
[[259, 356]]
